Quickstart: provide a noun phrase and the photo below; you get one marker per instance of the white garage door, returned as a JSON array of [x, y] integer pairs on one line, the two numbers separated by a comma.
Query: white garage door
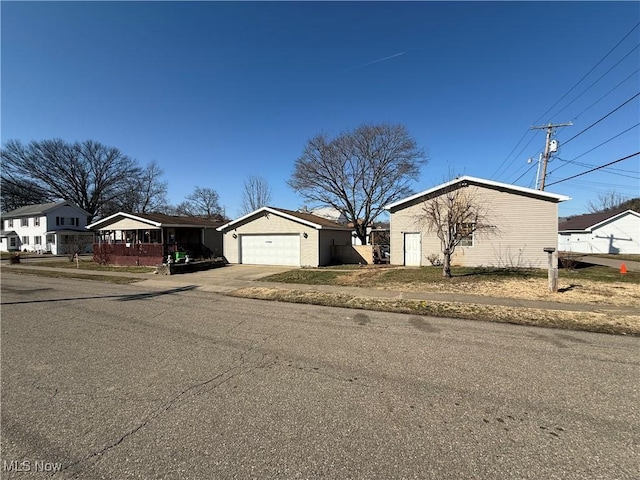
[[270, 249]]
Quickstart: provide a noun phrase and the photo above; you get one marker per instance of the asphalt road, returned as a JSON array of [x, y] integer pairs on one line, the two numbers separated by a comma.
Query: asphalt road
[[115, 382]]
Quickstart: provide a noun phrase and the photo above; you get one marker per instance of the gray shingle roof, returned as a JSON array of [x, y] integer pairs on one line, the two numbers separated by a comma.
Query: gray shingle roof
[[39, 209], [583, 222], [310, 217], [177, 220]]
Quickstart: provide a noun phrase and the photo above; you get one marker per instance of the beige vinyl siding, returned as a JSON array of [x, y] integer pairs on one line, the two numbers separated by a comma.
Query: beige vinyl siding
[[129, 224], [524, 226], [408, 221], [269, 223]]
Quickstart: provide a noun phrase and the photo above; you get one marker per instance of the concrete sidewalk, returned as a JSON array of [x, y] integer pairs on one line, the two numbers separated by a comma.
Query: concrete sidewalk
[[223, 282]]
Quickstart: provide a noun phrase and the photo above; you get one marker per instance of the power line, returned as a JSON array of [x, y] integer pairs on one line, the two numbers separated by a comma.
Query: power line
[[592, 149], [596, 81], [527, 171], [608, 170], [502, 164], [512, 150], [594, 169], [586, 74], [523, 148], [602, 118], [606, 94]]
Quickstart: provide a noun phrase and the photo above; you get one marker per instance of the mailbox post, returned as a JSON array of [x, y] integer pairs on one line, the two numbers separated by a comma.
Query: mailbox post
[[553, 271]]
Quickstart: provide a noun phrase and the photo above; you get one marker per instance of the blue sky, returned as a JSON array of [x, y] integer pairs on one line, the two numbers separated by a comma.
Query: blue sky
[[217, 91]]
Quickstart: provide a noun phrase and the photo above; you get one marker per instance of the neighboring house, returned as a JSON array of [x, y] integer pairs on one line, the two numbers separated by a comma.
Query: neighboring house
[[617, 231], [329, 213], [337, 216], [274, 236], [148, 238], [522, 223], [57, 228]]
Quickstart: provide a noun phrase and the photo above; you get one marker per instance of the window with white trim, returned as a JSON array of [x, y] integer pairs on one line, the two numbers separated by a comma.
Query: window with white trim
[[37, 240], [25, 240], [466, 231], [10, 223], [24, 222], [36, 221]]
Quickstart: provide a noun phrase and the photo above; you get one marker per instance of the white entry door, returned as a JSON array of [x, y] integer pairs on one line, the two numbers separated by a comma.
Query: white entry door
[[270, 249], [412, 250]]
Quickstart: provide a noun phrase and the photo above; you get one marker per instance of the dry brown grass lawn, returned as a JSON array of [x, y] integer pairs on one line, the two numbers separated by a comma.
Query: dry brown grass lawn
[[580, 291], [592, 321]]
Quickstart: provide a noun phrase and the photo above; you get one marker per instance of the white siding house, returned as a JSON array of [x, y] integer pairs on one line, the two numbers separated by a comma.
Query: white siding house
[[522, 223], [46, 228], [606, 232]]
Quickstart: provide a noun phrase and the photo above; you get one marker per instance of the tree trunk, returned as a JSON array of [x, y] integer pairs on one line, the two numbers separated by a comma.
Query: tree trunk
[[446, 264], [361, 233]]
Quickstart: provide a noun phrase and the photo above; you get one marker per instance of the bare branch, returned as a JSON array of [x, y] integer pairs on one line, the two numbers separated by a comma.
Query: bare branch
[[358, 172], [454, 215], [256, 194], [203, 202], [87, 174]]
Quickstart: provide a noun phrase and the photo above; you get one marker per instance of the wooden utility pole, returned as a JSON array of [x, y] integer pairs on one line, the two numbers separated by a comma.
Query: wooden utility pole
[[547, 150]]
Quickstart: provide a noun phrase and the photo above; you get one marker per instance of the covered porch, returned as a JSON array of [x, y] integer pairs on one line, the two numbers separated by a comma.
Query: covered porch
[[148, 239]]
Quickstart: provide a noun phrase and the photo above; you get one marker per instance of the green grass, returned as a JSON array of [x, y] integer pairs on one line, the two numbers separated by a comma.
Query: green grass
[[8, 255], [427, 275], [308, 277], [88, 265]]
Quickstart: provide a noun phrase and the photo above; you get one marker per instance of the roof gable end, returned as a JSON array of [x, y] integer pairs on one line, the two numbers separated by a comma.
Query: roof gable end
[[591, 221], [554, 197], [41, 209], [307, 219]]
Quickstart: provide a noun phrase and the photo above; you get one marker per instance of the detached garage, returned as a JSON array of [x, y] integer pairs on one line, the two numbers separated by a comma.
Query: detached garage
[[274, 236]]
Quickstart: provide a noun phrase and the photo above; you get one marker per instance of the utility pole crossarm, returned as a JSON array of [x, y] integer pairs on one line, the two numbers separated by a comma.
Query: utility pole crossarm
[[547, 153]]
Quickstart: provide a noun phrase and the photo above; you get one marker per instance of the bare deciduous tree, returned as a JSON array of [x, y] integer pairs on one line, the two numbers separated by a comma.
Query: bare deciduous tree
[[147, 192], [203, 202], [153, 190], [256, 194], [87, 174], [18, 192], [605, 202], [454, 216], [359, 171]]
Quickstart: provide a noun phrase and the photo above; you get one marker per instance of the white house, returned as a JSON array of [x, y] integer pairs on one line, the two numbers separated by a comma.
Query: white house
[[606, 232], [53, 228], [330, 213]]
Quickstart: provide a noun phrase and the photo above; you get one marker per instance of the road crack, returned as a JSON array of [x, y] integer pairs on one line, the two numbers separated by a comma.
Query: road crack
[[189, 392]]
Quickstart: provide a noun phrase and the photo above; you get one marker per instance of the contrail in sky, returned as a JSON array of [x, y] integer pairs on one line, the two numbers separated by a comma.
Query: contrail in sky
[[376, 61]]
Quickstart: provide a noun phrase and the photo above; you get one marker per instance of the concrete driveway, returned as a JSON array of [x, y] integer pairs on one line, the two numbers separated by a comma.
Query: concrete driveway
[[236, 272], [222, 279]]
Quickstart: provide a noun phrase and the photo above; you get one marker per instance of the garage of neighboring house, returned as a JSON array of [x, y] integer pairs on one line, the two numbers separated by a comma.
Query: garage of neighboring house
[[275, 236], [612, 232]]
